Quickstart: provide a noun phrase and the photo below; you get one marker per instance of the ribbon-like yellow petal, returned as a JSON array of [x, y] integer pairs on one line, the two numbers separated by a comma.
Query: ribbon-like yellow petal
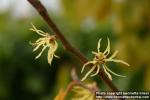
[[51, 51], [107, 73], [37, 31], [99, 45], [113, 55], [113, 72], [89, 72], [41, 52], [118, 61], [38, 45], [98, 68], [107, 50], [86, 64]]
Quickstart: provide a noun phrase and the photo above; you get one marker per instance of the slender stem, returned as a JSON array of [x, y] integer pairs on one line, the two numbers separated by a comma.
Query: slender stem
[[43, 12]]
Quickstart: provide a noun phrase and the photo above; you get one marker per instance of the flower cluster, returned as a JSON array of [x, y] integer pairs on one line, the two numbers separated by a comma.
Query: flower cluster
[[79, 91], [100, 59], [46, 41], [82, 93]]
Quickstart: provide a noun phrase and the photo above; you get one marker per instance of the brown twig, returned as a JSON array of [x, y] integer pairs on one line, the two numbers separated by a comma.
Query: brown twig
[[43, 12]]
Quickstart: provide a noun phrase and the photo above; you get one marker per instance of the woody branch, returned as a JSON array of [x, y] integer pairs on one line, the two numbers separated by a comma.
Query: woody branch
[[44, 14]]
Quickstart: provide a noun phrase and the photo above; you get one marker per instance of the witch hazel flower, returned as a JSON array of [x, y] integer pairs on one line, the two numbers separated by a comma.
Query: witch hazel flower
[[45, 41], [99, 61], [82, 93]]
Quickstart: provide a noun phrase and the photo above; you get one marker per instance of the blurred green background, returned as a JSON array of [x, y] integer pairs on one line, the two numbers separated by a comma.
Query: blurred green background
[[83, 22]]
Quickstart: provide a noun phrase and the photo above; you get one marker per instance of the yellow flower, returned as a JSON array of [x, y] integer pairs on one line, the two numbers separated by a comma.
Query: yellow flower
[[46, 41], [82, 93], [100, 60]]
